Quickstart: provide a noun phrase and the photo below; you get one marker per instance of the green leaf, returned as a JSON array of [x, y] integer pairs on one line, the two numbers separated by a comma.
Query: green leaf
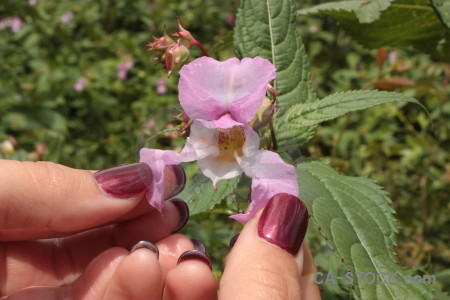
[[339, 104], [201, 196], [267, 29], [443, 8], [355, 216], [403, 23], [366, 11]]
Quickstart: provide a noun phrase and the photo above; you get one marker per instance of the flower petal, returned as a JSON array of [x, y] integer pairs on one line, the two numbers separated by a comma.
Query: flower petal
[[203, 140], [202, 86], [217, 170], [157, 161], [250, 87], [224, 122], [271, 176], [208, 88]]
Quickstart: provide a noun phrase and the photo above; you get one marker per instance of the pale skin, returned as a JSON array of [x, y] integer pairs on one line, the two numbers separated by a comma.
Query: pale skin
[[87, 234]]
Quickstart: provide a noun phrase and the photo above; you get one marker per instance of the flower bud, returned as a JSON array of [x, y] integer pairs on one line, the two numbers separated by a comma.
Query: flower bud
[[176, 56], [160, 44], [186, 37], [263, 115]]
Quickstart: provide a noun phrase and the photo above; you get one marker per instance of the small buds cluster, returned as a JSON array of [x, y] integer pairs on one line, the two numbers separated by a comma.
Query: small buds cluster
[[174, 54]]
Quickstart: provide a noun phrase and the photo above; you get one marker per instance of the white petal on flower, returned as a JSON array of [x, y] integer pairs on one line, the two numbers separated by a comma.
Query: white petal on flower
[[203, 140], [218, 170], [251, 144]]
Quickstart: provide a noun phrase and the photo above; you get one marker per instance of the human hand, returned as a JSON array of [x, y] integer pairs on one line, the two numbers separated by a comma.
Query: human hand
[[44, 200], [84, 232], [268, 259]]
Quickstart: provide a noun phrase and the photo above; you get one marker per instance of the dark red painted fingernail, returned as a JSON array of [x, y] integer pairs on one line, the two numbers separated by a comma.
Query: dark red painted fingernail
[[126, 180], [233, 240], [146, 245], [195, 254], [175, 180], [198, 245], [284, 222], [183, 209]]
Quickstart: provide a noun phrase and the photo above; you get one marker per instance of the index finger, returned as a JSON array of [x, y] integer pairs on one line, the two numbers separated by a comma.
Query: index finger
[[43, 199]]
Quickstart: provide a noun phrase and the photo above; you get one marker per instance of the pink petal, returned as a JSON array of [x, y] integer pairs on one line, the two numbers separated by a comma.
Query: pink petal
[[271, 176], [250, 89], [224, 122], [208, 89], [201, 87], [157, 161]]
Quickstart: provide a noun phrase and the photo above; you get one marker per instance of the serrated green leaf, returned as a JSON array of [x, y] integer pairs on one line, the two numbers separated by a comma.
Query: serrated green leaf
[[355, 216], [267, 29], [339, 104], [443, 8], [366, 11], [403, 23], [201, 196]]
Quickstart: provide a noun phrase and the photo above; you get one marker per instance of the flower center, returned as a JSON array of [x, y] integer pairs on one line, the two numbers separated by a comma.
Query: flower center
[[230, 141]]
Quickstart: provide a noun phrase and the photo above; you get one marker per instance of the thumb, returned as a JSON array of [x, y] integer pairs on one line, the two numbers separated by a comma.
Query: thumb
[[266, 261], [44, 199]]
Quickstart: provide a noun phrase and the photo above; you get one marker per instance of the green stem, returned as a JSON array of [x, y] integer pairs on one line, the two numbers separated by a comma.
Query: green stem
[[272, 135]]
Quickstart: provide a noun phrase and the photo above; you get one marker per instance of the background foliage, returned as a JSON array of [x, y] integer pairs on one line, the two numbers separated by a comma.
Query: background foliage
[[43, 116]]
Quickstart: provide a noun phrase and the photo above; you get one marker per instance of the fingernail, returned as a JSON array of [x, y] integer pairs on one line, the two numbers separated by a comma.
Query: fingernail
[[126, 180], [198, 245], [183, 209], [175, 180], [284, 222], [195, 254], [233, 240], [146, 245]]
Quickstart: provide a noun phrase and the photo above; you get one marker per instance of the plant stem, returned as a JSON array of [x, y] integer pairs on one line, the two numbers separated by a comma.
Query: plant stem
[[272, 135], [200, 46]]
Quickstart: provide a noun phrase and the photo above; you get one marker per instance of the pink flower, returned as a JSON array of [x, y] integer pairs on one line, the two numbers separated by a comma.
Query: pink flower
[[161, 86], [16, 24], [221, 98], [66, 17], [123, 68], [79, 85], [32, 2], [230, 19]]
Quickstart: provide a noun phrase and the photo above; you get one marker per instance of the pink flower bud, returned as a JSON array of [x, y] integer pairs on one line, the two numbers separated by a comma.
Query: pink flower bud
[[185, 35], [160, 44]]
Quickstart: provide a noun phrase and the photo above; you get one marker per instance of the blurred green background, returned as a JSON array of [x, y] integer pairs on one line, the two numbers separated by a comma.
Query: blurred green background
[[77, 87]]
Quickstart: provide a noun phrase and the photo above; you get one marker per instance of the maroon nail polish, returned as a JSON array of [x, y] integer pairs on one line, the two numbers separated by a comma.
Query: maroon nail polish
[[195, 254], [175, 180], [198, 245], [146, 245], [233, 240], [126, 180], [183, 209], [284, 222]]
